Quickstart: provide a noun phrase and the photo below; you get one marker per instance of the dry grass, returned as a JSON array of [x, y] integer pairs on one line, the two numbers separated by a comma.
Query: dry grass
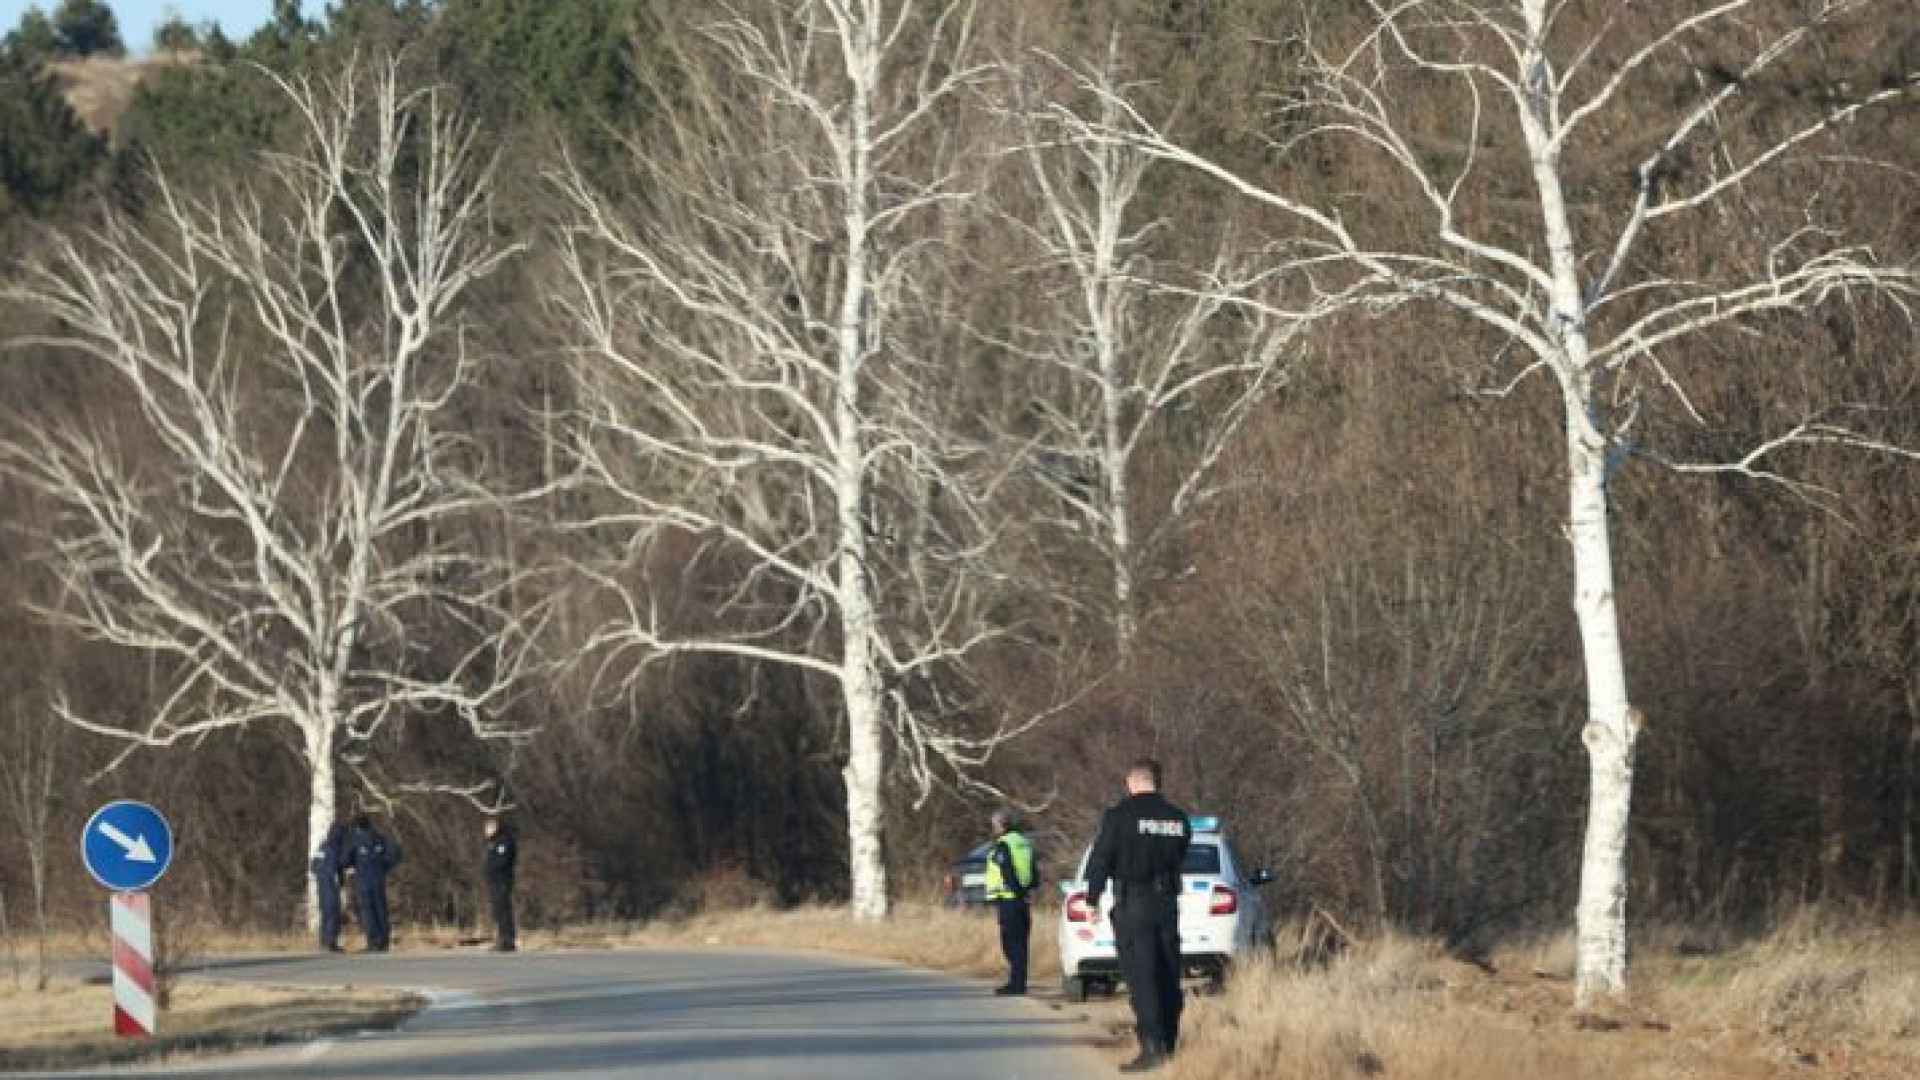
[[1813, 995], [1825, 987], [188, 940], [923, 935], [98, 88], [1382, 1008], [70, 1025]]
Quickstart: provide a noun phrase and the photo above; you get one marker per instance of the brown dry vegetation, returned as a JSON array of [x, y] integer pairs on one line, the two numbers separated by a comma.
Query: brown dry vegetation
[[1815, 998], [70, 1024], [98, 88]]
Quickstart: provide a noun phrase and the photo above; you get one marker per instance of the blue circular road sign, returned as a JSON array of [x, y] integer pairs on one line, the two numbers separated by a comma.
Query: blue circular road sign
[[127, 845]]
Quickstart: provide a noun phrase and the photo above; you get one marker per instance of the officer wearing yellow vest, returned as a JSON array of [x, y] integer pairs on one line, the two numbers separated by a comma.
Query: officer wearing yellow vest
[[1009, 889]]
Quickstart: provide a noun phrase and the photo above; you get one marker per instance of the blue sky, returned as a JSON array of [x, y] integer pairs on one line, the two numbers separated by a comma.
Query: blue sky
[[137, 18]]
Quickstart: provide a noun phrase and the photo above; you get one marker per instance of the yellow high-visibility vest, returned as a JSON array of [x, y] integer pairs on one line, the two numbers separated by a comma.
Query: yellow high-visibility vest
[[1021, 849]]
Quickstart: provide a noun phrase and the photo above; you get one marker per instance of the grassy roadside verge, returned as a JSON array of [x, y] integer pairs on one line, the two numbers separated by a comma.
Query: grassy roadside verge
[[1820, 996], [1816, 998], [70, 1024]]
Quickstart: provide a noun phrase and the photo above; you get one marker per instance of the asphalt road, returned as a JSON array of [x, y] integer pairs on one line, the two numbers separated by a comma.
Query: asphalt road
[[713, 1013]]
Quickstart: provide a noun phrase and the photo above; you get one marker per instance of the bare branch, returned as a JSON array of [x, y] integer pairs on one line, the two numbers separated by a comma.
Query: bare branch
[[266, 531]]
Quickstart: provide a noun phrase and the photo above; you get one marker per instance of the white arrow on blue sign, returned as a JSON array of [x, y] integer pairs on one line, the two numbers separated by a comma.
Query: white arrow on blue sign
[[127, 845]]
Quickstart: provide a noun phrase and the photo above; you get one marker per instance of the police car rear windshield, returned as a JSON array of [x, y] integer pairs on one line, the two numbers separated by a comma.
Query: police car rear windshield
[[1201, 859]]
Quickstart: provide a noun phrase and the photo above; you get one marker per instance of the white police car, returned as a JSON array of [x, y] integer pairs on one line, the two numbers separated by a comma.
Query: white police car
[[1221, 915]]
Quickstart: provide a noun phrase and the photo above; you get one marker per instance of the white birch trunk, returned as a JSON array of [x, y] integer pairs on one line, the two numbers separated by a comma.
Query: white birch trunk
[[322, 806], [1103, 294], [866, 857], [859, 683], [1601, 913], [862, 693], [1113, 439]]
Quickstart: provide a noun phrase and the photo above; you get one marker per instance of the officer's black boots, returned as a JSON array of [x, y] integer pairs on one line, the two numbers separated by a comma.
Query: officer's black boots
[[1153, 1054], [1009, 991]]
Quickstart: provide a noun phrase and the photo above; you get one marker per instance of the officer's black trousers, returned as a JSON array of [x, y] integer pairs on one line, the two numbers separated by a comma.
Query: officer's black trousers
[[326, 891], [500, 890], [372, 898], [1146, 934], [1016, 929]]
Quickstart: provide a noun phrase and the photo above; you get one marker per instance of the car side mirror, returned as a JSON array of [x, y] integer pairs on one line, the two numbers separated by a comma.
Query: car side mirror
[[1262, 876]]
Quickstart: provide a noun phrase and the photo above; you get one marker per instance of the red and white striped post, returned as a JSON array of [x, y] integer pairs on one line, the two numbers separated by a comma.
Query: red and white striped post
[[135, 1008]]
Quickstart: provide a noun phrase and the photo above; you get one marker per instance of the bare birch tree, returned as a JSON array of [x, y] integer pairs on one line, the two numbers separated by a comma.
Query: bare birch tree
[[29, 794], [763, 400], [1433, 91], [278, 511], [1143, 345]]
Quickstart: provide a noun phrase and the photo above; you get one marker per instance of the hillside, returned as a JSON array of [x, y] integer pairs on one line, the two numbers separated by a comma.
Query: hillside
[[99, 88]]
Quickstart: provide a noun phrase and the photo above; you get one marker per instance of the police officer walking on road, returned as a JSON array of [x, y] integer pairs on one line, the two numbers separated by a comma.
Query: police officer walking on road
[[1142, 843], [501, 853], [327, 871], [1009, 889], [369, 856]]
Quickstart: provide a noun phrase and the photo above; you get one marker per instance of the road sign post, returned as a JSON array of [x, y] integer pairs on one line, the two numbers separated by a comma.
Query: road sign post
[[127, 846], [136, 1011]]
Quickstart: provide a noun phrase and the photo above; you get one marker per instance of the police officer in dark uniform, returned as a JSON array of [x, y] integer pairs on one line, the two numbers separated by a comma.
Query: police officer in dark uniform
[[1142, 843], [501, 853], [370, 856], [327, 872], [1009, 888]]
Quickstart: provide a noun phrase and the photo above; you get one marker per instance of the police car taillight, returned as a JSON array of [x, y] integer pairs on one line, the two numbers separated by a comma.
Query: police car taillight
[[1224, 901], [1077, 909]]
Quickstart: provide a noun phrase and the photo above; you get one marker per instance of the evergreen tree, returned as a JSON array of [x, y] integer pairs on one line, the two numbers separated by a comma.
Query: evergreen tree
[[285, 43], [198, 122], [572, 65], [176, 35], [88, 28], [46, 153], [195, 121], [34, 39]]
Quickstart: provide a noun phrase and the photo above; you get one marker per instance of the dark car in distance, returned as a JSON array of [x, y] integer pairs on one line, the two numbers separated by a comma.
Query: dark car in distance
[[965, 882]]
